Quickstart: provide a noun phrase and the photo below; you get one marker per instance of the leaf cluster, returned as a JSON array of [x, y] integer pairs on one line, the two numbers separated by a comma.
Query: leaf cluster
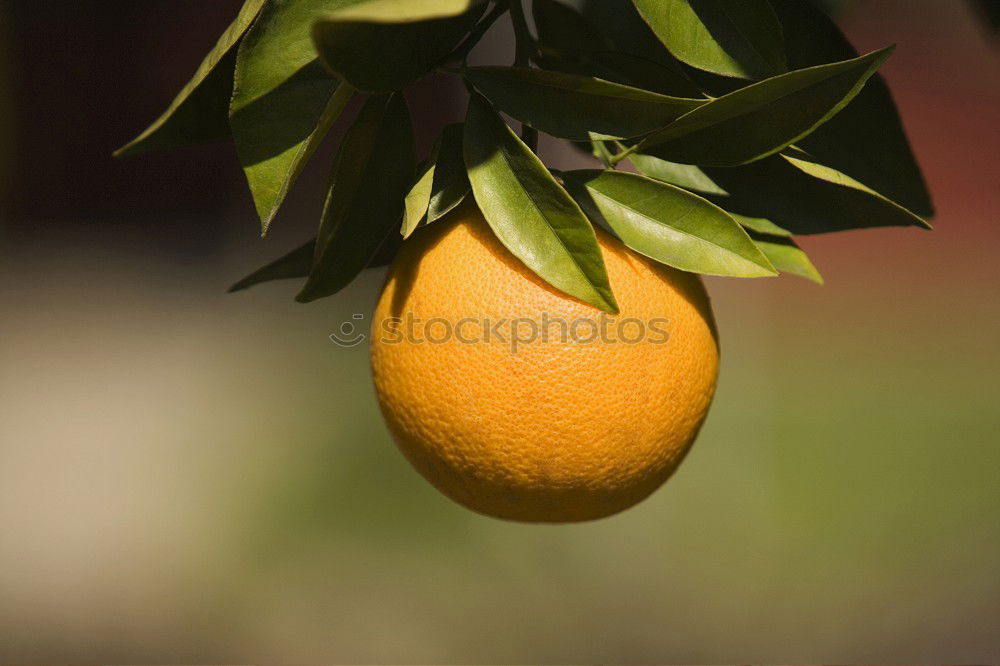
[[721, 130]]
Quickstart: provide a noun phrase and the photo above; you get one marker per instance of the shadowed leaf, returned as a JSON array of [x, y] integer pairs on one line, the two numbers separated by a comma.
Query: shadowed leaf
[[451, 182], [295, 264], [806, 198], [200, 112], [866, 140], [564, 31], [364, 205], [573, 106], [762, 119], [376, 50]]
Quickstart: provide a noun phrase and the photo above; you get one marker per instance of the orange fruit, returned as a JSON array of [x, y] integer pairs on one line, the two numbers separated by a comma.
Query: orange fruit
[[573, 426]]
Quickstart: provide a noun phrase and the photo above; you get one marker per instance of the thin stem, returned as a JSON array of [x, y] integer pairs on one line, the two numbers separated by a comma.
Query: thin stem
[[525, 44], [524, 51], [615, 159]]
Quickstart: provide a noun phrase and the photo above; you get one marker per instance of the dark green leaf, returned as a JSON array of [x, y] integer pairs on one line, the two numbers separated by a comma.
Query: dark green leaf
[[866, 140], [842, 180], [668, 224], [298, 264], [200, 112], [284, 100], [451, 182], [565, 31], [378, 51], [787, 257], [642, 73], [739, 38], [622, 25], [572, 106], [805, 197], [295, 264], [371, 174], [530, 212], [634, 56], [762, 119]]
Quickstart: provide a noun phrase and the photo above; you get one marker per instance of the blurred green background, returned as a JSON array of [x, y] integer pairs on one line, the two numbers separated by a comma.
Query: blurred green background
[[191, 476]]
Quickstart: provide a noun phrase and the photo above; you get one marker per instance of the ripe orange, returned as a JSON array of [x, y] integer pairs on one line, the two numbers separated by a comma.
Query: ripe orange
[[546, 430]]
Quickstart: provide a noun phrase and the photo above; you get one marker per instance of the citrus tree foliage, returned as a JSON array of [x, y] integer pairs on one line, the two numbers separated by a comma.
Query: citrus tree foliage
[[720, 130]]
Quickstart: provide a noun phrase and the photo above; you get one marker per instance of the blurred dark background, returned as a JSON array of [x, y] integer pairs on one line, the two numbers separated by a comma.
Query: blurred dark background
[[191, 476]]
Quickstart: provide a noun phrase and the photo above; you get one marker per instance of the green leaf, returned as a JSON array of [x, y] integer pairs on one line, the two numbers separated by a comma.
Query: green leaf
[[295, 264], [530, 212], [842, 180], [442, 183], [806, 197], [866, 140], [668, 224], [787, 257], [199, 113], [564, 31], [762, 119], [642, 73], [694, 179], [572, 106], [375, 52], [298, 264], [687, 176], [740, 38], [451, 182], [364, 205], [404, 11], [284, 100], [419, 197]]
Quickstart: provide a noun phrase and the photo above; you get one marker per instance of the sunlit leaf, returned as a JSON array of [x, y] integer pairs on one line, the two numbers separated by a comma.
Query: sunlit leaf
[[403, 11], [283, 101], [687, 176], [741, 38], [692, 178], [364, 205], [669, 224], [418, 198], [200, 112], [787, 257], [530, 212]]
